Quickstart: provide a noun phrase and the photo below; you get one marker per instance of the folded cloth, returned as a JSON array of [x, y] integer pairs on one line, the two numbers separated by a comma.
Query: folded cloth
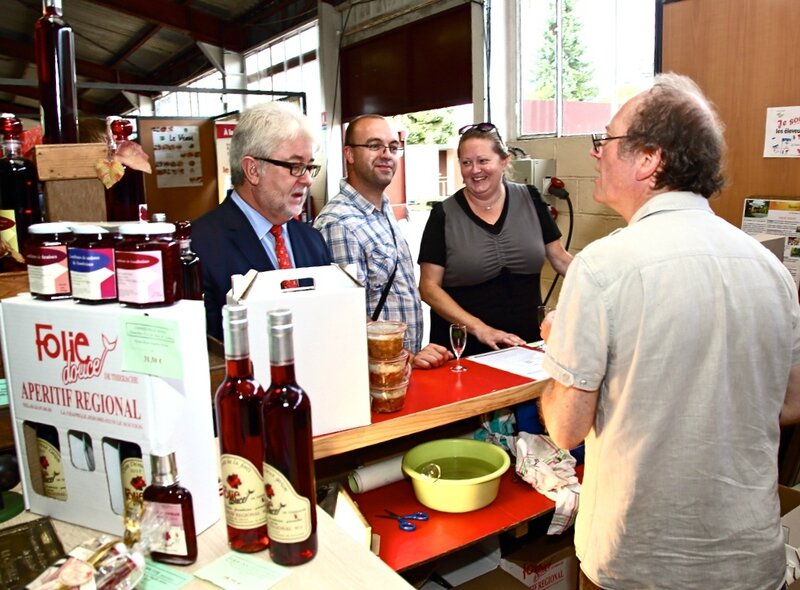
[[551, 471], [498, 429]]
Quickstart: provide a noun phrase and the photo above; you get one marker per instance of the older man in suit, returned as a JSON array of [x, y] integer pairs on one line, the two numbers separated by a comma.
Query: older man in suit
[[272, 155]]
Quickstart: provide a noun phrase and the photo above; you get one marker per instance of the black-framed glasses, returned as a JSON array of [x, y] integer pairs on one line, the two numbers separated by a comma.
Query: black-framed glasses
[[375, 146], [295, 168], [482, 127], [599, 138]]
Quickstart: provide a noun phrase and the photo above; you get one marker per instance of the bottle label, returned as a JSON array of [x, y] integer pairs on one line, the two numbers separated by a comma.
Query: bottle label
[[92, 273], [140, 276], [53, 483], [243, 490], [133, 483], [48, 271], [8, 229], [174, 542], [288, 513]]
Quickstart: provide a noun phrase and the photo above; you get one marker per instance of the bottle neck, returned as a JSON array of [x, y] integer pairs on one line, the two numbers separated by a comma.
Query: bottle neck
[[12, 148], [239, 368], [185, 245], [50, 7], [282, 374]]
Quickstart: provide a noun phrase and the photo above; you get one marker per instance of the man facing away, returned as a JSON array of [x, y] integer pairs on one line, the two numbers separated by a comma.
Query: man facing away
[[675, 352], [359, 227], [271, 155]]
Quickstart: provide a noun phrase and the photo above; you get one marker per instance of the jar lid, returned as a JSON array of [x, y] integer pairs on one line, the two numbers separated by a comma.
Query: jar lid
[[88, 229], [146, 229], [53, 227]]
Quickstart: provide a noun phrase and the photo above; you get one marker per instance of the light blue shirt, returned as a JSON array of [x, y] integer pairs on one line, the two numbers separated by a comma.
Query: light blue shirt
[[261, 226]]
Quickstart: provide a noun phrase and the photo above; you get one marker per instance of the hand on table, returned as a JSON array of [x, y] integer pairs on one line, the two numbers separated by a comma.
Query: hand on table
[[430, 357], [497, 339]]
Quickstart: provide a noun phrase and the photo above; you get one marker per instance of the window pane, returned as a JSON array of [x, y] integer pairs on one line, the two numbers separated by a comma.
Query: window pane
[[607, 57], [537, 43]]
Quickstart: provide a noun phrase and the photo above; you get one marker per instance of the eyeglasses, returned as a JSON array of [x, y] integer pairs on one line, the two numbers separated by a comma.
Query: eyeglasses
[[295, 168], [598, 139], [394, 148], [482, 127]]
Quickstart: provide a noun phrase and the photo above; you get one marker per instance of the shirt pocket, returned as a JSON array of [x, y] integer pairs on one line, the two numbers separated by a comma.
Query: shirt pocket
[[380, 265]]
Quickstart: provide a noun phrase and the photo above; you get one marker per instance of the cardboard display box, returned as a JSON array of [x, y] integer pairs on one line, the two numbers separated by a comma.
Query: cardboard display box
[[790, 521], [330, 339], [547, 563], [102, 374]]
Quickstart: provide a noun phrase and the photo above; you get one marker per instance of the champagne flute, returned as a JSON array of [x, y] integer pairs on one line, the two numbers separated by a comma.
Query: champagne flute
[[458, 341]]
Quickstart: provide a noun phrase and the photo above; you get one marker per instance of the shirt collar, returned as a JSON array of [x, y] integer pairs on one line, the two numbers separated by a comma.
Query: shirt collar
[[671, 201], [260, 225], [358, 200]]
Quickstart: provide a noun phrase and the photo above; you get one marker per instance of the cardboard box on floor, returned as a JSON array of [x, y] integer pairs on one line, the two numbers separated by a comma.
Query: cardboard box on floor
[[82, 369], [790, 521], [330, 339], [546, 563]]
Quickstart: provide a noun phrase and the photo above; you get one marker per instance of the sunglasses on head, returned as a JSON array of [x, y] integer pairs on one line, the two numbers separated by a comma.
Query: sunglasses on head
[[482, 127]]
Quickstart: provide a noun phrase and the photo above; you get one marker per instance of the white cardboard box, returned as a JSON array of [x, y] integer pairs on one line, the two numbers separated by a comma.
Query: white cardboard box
[[330, 339], [549, 563], [70, 365]]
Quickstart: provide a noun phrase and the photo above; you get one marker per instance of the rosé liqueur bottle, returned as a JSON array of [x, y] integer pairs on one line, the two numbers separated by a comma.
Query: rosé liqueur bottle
[[49, 450], [190, 262], [19, 195], [125, 200], [238, 404], [288, 453], [55, 65], [173, 503]]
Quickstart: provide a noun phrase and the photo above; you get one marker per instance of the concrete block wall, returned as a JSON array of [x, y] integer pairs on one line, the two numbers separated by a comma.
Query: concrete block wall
[[576, 168]]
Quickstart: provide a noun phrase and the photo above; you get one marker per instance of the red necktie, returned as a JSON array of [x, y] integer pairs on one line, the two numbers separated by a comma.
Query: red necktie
[[282, 254]]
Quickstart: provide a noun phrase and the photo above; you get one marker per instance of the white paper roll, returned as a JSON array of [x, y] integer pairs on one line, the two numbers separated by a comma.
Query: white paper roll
[[376, 475]]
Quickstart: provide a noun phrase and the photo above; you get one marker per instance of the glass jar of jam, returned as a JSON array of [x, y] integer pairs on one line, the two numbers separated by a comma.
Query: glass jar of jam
[[148, 265], [46, 256], [92, 271]]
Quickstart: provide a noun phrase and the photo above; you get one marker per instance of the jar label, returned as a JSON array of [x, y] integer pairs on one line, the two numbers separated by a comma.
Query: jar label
[[53, 483], [174, 541], [288, 513], [48, 271], [8, 228], [140, 276], [243, 490], [92, 273]]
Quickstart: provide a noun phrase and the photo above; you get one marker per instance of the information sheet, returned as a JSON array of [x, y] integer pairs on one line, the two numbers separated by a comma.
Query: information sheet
[[520, 360], [763, 215]]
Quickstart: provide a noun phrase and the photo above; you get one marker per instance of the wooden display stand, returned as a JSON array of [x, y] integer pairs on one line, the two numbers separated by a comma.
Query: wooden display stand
[[72, 190]]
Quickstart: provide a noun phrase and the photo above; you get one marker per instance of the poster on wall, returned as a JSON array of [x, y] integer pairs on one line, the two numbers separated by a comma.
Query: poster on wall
[[177, 156], [222, 137], [782, 135], [779, 218]]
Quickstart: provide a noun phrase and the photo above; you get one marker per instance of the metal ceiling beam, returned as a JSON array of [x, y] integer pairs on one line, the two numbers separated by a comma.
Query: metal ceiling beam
[[201, 26], [87, 69]]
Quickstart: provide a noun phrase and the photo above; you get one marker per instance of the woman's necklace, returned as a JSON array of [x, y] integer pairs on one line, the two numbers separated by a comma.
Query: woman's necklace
[[486, 207]]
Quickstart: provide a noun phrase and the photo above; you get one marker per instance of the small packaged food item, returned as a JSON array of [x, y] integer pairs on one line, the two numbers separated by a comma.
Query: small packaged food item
[[388, 399], [385, 339], [389, 373], [46, 256]]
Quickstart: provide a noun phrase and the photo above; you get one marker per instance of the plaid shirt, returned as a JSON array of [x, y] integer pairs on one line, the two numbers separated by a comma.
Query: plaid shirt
[[358, 233]]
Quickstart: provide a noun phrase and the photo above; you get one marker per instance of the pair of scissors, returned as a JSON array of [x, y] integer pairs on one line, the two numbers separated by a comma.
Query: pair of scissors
[[404, 522]]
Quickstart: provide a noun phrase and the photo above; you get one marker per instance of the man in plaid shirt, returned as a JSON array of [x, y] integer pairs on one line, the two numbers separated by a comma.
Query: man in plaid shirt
[[360, 228]]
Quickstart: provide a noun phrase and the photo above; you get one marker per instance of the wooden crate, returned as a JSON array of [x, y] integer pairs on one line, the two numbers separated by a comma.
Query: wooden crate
[[72, 190]]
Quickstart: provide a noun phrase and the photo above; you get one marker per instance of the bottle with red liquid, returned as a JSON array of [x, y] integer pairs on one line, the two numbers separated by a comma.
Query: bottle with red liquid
[[288, 453], [173, 503], [238, 404], [55, 65], [19, 195], [125, 200], [190, 262]]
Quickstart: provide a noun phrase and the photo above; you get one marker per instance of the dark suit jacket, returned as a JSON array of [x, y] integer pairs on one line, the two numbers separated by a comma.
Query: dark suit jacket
[[227, 245]]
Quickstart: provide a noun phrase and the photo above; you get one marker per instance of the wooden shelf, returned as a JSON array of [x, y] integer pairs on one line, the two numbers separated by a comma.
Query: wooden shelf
[[517, 502], [436, 397]]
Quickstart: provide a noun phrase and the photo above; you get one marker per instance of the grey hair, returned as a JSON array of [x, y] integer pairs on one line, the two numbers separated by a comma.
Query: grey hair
[[262, 129]]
